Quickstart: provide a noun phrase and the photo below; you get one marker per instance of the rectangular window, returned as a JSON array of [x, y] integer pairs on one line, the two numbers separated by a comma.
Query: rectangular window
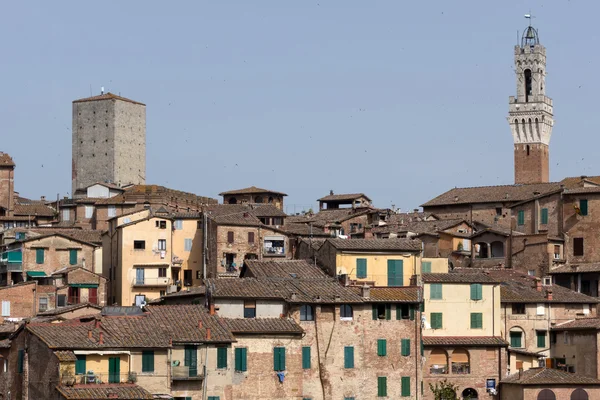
[[383, 311], [89, 211], [112, 211], [577, 246], [436, 321], [381, 347], [583, 207], [148, 361], [306, 357], [66, 214], [521, 218], [531, 272], [476, 321], [39, 256], [5, 308], [249, 308], [435, 291], [73, 256], [161, 224], [426, 267], [541, 338], [403, 311], [80, 368], [476, 291], [20, 361], [381, 386], [405, 386], [162, 244], [230, 237], [139, 244], [241, 359], [279, 358], [405, 347], [187, 243], [209, 398], [498, 211], [515, 339], [222, 357], [544, 217], [348, 357], [251, 237], [178, 224], [361, 268], [395, 272], [43, 304], [162, 272], [518, 308], [61, 300]]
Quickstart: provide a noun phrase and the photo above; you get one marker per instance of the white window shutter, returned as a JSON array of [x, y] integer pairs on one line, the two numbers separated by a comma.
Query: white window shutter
[[6, 308], [586, 309], [540, 309]]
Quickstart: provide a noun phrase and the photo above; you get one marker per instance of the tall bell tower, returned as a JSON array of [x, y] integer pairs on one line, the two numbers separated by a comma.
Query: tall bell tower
[[530, 112]]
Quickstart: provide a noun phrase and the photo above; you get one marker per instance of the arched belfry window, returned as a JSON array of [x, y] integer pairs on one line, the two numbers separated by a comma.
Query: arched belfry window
[[528, 87], [527, 149]]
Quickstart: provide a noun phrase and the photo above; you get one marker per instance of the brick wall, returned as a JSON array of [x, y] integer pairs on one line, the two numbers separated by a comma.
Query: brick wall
[[483, 212], [531, 163], [56, 254], [580, 226], [22, 298], [7, 189]]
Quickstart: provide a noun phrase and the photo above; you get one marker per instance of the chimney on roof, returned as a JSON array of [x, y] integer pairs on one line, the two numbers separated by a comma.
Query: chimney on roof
[[416, 210], [89, 334], [207, 333], [520, 373], [43, 198], [549, 294], [199, 324], [365, 291], [212, 308], [537, 285], [101, 339], [98, 324], [294, 296], [246, 215], [65, 197], [170, 341], [331, 192]]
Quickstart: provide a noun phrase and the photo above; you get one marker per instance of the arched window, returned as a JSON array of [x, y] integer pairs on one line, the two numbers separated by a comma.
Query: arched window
[[537, 128], [531, 130], [270, 199], [527, 149], [232, 200], [579, 394], [306, 313], [460, 362], [527, 84], [437, 362], [470, 393], [258, 199], [481, 250], [346, 311], [546, 394], [517, 128]]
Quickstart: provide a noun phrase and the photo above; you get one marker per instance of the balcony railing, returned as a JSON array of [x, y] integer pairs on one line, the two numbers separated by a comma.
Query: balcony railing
[[181, 373], [150, 282], [461, 368], [274, 251], [93, 378]]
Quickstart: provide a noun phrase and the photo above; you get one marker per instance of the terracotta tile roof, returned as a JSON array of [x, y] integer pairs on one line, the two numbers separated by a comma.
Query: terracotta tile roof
[[344, 197], [418, 227], [579, 181], [576, 268], [315, 243], [155, 193], [267, 211], [453, 277], [189, 291], [5, 344], [69, 308], [464, 341], [83, 235], [6, 160], [515, 291], [240, 219], [33, 210], [8, 327], [107, 96], [251, 190], [65, 355], [391, 245], [547, 376], [326, 217], [282, 269], [491, 194], [262, 325], [403, 294], [104, 391], [580, 323], [583, 190], [524, 352], [303, 229]]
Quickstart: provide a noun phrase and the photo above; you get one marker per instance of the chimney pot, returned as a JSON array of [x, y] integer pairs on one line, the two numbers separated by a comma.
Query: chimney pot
[[43, 198], [549, 294], [331, 192], [101, 340], [207, 333], [365, 291], [199, 324], [294, 296], [538, 284], [98, 324], [89, 334], [212, 309]]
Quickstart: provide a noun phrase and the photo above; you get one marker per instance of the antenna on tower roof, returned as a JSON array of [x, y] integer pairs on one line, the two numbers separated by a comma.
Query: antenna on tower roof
[[102, 90]]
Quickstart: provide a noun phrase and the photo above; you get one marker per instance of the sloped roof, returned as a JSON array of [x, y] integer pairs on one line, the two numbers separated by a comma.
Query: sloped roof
[[464, 341], [285, 269], [33, 209], [549, 376], [302, 229], [82, 235], [391, 245], [262, 325], [251, 190], [344, 197], [400, 294], [315, 243], [454, 277], [576, 268], [6, 160], [65, 355], [105, 391], [69, 308], [579, 323], [106, 96]]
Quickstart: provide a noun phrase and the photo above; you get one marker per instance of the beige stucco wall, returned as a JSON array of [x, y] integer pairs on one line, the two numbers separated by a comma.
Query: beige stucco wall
[[527, 360], [234, 308], [192, 260], [376, 266], [157, 381], [217, 379], [456, 306], [439, 265]]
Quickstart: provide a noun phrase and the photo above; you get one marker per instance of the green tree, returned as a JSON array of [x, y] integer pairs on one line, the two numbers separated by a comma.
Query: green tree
[[444, 390]]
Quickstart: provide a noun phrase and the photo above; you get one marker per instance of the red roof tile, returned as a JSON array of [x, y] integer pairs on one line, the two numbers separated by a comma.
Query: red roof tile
[[547, 376], [391, 245], [282, 269], [251, 190], [343, 197], [104, 391], [464, 341], [580, 323]]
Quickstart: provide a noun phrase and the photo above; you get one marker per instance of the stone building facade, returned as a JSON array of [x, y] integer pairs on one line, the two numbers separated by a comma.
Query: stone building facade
[[253, 195], [7, 185]]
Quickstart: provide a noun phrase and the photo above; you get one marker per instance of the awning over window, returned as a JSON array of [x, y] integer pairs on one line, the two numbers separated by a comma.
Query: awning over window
[[84, 285], [36, 274]]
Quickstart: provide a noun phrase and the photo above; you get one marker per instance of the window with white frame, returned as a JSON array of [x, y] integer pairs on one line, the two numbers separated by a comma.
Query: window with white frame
[[112, 211], [162, 244], [43, 304], [540, 309], [66, 214], [89, 211], [178, 224]]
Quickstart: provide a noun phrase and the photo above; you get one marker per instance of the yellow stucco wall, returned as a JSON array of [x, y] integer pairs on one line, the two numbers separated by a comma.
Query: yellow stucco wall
[[528, 361], [439, 265], [98, 363], [377, 266], [456, 307], [192, 260]]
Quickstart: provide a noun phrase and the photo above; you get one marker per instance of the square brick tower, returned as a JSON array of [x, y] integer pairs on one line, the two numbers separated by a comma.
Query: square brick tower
[[109, 141], [530, 112], [7, 185]]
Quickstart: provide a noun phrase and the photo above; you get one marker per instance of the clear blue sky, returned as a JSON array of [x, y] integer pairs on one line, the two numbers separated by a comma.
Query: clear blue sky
[[401, 100]]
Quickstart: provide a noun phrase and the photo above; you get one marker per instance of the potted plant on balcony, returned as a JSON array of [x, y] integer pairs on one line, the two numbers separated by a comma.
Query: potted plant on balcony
[[132, 377]]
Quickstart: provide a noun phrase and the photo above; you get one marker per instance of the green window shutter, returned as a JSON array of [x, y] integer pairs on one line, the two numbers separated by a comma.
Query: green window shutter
[[381, 347], [382, 386], [20, 361], [423, 306], [583, 207], [405, 347], [422, 349], [279, 358], [395, 272], [436, 321], [435, 291], [476, 320], [241, 362], [398, 311], [375, 316], [209, 398], [411, 311], [306, 357], [544, 216], [541, 338], [80, 368], [361, 268], [148, 361], [348, 357], [73, 256], [39, 256], [221, 357], [476, 291], [422, 388], [521, 217], [388, 311], [405, 390], [515, 339], [426, 267]]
